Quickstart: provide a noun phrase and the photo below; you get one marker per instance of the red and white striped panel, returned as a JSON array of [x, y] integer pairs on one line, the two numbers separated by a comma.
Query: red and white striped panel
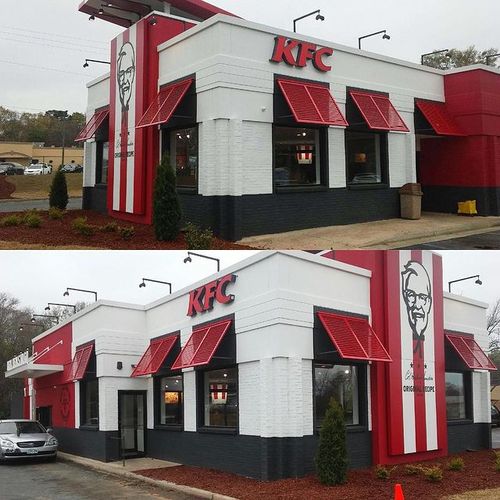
[[416, 345], [219, 393]]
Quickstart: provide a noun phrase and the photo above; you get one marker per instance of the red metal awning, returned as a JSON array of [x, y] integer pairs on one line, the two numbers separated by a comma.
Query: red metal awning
[[470, 352], [201, 346], [354, 338], [311, 103], [80, 362], [92, 125], [379, 112], [164, 104], [154, 356], [438, 117]]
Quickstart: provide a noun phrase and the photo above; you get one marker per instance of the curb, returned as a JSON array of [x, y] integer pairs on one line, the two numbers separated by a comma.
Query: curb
[[103, 467]]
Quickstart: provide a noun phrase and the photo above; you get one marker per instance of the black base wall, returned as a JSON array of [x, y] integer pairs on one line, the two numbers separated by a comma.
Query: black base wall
[[445, 199], [468, 436], [98, 445], [251, 456], [94, 198]]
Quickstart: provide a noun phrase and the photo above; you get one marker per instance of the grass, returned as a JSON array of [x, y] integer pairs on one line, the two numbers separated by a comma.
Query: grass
[[492, 494], [36, 187], [13, 245]]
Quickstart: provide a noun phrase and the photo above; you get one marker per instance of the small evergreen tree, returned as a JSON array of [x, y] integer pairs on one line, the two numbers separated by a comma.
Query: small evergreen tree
[[166, 206], [58, 196], [331, 458]]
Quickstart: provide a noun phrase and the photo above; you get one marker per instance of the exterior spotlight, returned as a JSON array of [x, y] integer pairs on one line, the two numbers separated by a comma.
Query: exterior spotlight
[[188, 258], [47, 308], [446, 52], [100, 11], [477, 282], [143, 284], [66, 294], [92, 18], [33, 320], [153, 21], [21, 328], [85, 64], [381, 32], [386, 37], [319, 17]]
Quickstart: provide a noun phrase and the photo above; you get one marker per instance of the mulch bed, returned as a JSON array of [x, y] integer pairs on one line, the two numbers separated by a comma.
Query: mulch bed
[[479, 473], [60, 233], [6, 188]]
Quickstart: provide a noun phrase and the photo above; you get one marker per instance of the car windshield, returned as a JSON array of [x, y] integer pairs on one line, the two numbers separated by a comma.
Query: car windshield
[[36, 167], [20, 428]]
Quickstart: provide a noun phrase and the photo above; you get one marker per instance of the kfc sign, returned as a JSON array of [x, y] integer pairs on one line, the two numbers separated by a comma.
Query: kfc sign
[[202, 299], [295, 53]]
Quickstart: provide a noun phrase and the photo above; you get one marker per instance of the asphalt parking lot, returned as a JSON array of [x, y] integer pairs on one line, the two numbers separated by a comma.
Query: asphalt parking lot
[[489, 240], [21, 205], [37, 480]]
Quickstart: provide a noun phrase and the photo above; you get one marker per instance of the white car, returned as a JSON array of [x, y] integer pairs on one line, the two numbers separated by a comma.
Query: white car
[[37, 169]]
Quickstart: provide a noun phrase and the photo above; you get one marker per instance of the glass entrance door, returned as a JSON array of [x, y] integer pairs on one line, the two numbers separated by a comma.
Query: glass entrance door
[[132, 422]]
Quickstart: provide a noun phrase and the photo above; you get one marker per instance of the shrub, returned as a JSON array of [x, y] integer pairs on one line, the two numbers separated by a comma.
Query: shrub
[[58, 196], [331, 458], [32, 220], [81, 226], [197, 238], [166, 206], [433, 474], [412, 470], [11, 220], [110, 227], [382, 472], [456, 463], [126, 232], [497, 463], [56, 213]]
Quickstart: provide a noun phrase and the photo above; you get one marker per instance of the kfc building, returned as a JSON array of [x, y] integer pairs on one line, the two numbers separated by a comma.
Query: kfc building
[[272, 131], [235, 372]]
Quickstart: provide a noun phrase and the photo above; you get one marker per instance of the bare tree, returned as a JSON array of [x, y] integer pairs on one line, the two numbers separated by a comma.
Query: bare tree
[[493, 326]]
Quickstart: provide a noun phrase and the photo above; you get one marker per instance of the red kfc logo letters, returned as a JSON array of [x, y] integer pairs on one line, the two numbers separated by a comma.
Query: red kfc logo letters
[[202, 299], [295, 53]]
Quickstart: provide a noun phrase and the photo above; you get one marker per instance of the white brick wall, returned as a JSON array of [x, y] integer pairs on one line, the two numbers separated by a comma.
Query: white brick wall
[[481, 397], [336, 157], [190, 401]]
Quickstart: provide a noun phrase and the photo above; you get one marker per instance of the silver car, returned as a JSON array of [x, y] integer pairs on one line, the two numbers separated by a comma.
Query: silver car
[[26, 438]]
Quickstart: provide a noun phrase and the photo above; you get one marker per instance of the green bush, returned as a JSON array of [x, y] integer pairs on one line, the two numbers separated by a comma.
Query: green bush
[[126, 232], [382, 472], [331, 458], [166, 206], [32, 220], [412, 470], [433, 474], [110, 227], [81, 226], [11, 220], [58, 196], [56, 213], [456, 463], [197, 238], [497, 463]]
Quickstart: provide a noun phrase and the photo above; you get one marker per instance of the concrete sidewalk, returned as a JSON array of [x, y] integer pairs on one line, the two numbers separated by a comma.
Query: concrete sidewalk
[[136, 464], [384, 234]]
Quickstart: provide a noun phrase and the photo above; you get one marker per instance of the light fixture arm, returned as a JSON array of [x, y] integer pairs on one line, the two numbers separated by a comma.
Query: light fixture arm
[[160, 282], [423, 56], [206, 257], [86, 63], [66, 293], [370, 35], [318, 12], [53, 318], [62, 305], [478, 281]]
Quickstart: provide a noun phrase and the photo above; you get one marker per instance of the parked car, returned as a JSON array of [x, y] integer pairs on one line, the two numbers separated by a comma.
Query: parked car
[[37, 169], [11, 168], [71, 168], [26, 439], [495, 416]]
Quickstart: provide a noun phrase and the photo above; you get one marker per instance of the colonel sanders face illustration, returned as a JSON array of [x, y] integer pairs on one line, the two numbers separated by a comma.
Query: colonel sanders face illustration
[[126, 74], [417, 295]]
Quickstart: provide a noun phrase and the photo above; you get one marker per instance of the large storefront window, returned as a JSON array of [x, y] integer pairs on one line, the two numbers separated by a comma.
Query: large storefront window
[[341, 383], [102, 162], [456, 408], [184, 156], [365, 152], [89, 403], [297, 159], [171, 402], [220, 389]]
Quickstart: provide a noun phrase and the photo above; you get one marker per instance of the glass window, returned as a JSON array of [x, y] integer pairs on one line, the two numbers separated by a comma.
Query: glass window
[[339, 382], [455, 396], [221, 398], [90, 403], [171, 400], [102, 162], [184, 156], [364, 157], [296, 157]]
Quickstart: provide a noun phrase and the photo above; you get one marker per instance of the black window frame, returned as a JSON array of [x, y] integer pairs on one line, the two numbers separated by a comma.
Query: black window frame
[[357, 124], [90, 376], [100, 162], [469, 412]]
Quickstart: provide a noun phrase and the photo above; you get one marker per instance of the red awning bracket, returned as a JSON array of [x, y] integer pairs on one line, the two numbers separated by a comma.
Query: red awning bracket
[[311, 103], [92, 126], [439, 118], [80, 362], [353, 338], [470, 352], [202, 345], [378, 112], [154, 356]]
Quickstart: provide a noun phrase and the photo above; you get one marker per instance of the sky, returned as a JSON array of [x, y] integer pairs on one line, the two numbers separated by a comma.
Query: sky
[[43, 43], [38, 277]]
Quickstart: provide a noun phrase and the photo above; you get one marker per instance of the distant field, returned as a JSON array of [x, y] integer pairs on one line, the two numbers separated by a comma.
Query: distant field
[[36, 187]]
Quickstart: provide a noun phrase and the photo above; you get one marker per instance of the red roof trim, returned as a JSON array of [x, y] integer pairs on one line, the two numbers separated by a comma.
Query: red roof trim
[[311, 103], [436, 113], [354, 338], [92, 126], [202, 345], [378, 112], [470, 352], [80, 362], [154, 356], [164, 104]]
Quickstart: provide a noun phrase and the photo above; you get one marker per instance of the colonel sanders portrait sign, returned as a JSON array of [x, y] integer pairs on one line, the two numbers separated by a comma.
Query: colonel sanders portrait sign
[[126, 74]]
